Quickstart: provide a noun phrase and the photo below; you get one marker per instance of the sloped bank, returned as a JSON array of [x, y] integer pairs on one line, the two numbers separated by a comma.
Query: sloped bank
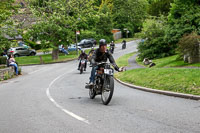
[[167, 81]]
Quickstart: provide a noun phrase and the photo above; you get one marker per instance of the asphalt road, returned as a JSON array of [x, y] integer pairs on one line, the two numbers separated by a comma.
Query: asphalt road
[[52, 99]]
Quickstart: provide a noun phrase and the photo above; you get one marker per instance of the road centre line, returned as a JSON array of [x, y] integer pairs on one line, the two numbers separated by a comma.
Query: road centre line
[[59, 106]]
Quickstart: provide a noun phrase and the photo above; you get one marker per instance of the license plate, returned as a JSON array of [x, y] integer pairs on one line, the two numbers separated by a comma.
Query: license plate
[[108, 71], [83, 61]]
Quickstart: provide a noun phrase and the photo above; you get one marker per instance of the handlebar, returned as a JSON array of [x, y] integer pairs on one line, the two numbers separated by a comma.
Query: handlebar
[[99, 63]]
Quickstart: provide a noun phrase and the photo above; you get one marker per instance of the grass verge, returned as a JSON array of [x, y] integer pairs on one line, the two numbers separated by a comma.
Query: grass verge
[[170, 79], [182, 80], [47, 58], [123, 60], [27, 60], [170, 61]]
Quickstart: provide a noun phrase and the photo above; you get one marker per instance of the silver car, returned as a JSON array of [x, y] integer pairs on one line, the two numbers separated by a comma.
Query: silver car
[[21, 51]]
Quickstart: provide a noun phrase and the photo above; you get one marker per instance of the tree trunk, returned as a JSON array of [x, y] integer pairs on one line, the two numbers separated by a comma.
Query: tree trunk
[[55, 53]]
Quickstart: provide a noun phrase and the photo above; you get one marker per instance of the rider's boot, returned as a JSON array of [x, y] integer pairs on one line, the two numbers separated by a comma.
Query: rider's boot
[[89, 85]]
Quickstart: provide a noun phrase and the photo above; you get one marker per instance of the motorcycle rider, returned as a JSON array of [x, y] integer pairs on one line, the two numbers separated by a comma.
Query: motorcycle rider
[[101, 54], [82, 56], [112, 47], [90, 54], [123, 44]]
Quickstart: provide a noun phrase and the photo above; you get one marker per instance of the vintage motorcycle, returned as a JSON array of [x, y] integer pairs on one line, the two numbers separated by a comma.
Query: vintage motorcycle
[[123, 46], [112, 49], [104, 83], [83, 61]]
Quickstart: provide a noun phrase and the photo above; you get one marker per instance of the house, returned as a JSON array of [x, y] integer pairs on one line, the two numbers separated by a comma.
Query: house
[[117, 34]]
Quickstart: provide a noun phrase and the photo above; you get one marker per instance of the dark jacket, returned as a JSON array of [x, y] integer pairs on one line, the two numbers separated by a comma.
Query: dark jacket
[[83, 56], [112, 45], [102, 57]]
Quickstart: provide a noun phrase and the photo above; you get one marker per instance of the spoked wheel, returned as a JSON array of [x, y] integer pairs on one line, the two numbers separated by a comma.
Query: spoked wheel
[[81, 70], [107, 90], [92, 93]]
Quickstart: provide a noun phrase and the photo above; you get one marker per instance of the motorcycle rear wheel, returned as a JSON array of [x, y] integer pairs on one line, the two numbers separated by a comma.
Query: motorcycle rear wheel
[[107, 90]]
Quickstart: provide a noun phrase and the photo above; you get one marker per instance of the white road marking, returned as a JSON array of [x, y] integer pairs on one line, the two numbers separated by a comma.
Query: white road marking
[[59, 106]]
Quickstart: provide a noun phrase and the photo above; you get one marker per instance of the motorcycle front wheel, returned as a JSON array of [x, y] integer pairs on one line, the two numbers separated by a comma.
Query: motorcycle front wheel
[[81, 69], [92, 93], [107, 90]]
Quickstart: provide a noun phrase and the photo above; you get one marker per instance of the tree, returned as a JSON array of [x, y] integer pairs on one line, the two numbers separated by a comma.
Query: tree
[[57, 22], [104, 24], [184, 17], [6, 8], [6, 24], [97, 2], [159, 7], [129, 14]]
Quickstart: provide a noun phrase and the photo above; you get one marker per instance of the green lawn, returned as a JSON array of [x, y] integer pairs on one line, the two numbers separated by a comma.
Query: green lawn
[[171, 79], [183, 80], [122, 61], [27, 60], [47, 58], [170, 61]]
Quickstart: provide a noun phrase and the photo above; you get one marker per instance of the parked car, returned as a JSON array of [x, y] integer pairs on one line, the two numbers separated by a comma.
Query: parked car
[[21, 51], [86, 43], [93, 40], [72, 47]]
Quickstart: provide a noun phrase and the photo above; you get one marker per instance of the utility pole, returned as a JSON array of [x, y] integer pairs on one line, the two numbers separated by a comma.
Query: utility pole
[[76, 43]]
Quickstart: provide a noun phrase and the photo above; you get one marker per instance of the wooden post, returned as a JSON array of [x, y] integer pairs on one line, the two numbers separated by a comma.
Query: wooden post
[[41, 61]]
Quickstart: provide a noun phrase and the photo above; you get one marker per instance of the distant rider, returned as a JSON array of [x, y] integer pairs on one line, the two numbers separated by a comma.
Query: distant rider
[[112, 47], [90, 54], [123, 44], [82, 56]]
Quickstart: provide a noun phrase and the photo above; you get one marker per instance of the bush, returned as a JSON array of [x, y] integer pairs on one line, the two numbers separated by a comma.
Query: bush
[[3, 60], [20, 71], [189, 44], [154, 46]]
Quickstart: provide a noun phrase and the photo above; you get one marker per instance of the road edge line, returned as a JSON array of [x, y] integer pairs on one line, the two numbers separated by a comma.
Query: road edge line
[[59, 106]]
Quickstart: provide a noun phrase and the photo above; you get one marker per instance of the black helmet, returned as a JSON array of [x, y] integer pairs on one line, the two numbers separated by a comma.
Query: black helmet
[[102, 42]]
